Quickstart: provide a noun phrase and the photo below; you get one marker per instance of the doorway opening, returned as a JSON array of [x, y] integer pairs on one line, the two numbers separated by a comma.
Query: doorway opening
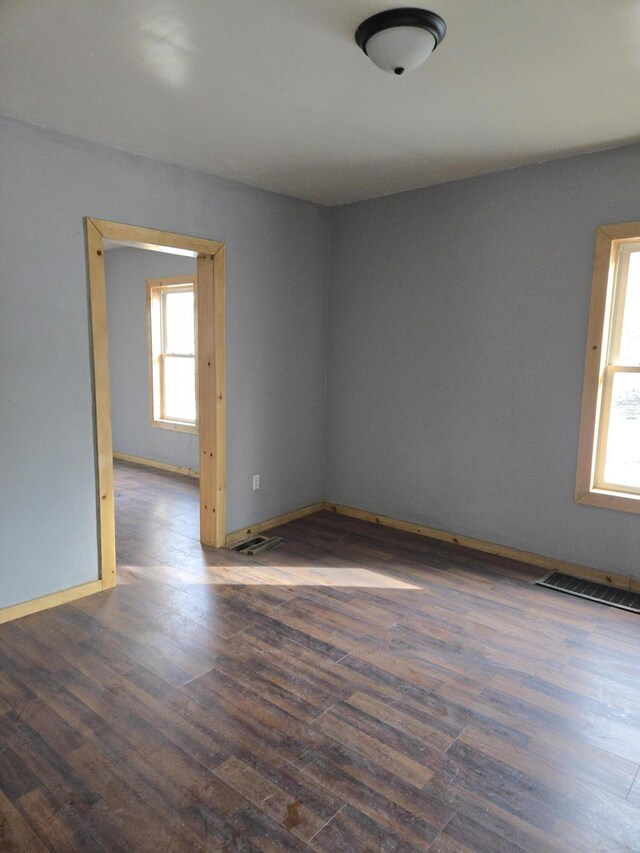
[[208, 370]]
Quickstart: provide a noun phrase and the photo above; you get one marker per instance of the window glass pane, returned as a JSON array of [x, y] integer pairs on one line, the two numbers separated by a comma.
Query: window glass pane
[[622, 466], [630, 338], [179, 388], [178, 322]]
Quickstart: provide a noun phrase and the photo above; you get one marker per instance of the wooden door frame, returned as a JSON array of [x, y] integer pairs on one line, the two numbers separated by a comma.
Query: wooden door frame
[[212, 397]]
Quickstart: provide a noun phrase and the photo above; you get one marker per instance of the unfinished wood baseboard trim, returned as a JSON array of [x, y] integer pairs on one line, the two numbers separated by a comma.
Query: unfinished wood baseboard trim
[[64, 596], [239, 535], [151, 463], [548, 563]]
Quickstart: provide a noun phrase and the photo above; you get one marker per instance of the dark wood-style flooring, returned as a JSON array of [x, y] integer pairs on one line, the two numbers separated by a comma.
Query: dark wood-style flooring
[[357, 689]]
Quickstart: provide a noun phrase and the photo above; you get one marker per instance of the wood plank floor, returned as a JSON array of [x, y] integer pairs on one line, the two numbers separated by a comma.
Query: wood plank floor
[[357, 689]]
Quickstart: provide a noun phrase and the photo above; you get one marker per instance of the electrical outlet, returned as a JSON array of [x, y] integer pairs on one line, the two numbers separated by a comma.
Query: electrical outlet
[[256, 481]]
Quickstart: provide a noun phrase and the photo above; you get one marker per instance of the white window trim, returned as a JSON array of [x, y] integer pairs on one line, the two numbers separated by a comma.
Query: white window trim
[[604, 328], [156, 287]]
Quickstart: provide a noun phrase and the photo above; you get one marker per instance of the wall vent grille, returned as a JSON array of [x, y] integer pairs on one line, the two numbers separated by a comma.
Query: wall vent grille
[[622, 598], [258, 544]]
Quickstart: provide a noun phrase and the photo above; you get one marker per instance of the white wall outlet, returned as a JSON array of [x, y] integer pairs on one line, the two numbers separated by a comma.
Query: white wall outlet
[[256, 481]]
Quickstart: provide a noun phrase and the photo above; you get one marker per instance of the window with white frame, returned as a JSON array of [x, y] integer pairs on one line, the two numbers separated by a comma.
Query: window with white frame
[[609, 464], [172, 353]]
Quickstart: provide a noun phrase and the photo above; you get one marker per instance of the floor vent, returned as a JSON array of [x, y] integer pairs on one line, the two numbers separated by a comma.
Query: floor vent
[[622, 598], [257, 544]]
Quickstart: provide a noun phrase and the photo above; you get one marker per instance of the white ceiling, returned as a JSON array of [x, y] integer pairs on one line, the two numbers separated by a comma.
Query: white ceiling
[[275, 93]]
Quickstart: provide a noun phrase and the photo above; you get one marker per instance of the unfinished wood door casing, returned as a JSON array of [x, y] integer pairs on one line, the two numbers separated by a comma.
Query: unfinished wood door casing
[[102, 406], [210, 314], [210, 320]]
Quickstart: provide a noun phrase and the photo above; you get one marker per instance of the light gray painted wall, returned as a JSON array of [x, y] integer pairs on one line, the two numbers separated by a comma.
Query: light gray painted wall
[[276, 267], [457, 329], [126, 273]]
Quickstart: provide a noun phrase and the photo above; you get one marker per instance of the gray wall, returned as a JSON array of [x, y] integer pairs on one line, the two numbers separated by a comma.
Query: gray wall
[[276, 332], [457, 325], [126, 273], [457, 330]]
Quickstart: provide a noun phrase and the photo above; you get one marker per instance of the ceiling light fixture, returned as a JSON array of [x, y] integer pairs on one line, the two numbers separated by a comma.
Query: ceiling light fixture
[[400, 40]]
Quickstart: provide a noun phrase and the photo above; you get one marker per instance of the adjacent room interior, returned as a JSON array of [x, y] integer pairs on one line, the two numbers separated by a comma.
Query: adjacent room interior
[[320, 420], [151, 321]]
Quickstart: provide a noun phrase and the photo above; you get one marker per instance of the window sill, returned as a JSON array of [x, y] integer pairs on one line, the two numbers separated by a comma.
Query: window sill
[[610, 500], [176, 426]]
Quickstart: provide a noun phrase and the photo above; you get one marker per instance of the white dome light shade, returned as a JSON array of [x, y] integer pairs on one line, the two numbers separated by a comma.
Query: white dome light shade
[[400, 49], [400, 40]]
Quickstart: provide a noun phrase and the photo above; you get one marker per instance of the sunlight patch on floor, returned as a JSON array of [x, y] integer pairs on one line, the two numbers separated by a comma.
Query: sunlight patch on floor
[[234, 575], [338, 576]]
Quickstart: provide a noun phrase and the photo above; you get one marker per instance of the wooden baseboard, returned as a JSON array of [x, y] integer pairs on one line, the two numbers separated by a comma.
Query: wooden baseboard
[[151, 463], [25, 608], [550, 564], [64, 596], [239, 535]]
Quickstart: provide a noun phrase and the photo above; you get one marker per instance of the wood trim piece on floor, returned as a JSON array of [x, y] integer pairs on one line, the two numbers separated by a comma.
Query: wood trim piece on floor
[[239, 535], [152, 463], [64, 596], [548, 563]]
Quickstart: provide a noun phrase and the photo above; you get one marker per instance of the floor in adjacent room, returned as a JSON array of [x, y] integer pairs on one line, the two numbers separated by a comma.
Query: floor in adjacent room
[[356, 689]]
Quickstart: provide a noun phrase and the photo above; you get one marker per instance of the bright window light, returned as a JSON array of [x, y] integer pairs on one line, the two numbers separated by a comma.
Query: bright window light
[[618, 457], [172, 340]]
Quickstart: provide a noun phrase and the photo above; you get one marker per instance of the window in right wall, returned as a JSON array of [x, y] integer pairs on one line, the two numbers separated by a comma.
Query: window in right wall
[[609, 451]]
